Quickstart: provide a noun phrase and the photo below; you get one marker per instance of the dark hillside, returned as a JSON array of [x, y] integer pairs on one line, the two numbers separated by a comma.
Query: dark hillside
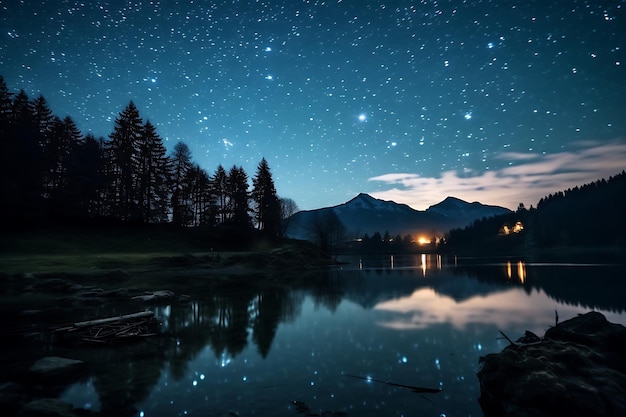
[[591, 215]]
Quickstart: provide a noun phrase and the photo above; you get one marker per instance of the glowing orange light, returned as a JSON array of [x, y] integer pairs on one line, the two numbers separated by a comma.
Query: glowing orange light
[[423, 241]]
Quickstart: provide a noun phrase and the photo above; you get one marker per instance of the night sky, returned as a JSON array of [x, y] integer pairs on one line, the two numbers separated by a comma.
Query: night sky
[[500, 102]]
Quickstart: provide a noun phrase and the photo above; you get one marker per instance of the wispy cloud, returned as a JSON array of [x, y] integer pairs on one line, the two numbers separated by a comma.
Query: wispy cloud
[[529, 178]]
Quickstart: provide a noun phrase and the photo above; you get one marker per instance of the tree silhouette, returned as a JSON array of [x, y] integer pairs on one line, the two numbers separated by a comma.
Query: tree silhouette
[[326, 230], [288, 207], [238, 197], [180, 187], [123, 155], [153, 176], [267, 204], [49, 171], [220, 189]]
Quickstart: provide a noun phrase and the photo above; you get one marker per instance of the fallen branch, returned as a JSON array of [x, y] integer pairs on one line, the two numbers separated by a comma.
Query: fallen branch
[[125, 327], [521, 344], [132, 316]]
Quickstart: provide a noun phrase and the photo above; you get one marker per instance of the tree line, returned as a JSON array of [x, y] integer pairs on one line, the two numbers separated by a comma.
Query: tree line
[[50, 172], [587, 215], [386, 243]]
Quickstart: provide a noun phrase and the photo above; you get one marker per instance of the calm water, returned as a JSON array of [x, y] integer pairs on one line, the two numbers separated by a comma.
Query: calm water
[[414, 320]]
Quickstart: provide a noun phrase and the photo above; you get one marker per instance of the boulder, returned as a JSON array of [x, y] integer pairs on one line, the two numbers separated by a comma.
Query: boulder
[[47, 407], [53, 369], [155, 296], [577, 369]]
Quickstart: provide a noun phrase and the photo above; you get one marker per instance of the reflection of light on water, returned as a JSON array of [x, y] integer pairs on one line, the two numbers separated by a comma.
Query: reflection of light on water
[[521, 271], [224, 360], [391, 261], [423, 264]]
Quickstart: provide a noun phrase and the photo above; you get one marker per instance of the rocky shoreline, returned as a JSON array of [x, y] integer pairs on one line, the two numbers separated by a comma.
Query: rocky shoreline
[[578, 368]]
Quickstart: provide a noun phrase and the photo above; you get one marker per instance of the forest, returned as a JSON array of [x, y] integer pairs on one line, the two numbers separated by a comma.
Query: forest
[[590, 215], [50, 173]]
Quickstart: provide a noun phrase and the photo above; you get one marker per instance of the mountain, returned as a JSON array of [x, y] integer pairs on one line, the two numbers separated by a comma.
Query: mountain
[[453, 207], [366, 214]]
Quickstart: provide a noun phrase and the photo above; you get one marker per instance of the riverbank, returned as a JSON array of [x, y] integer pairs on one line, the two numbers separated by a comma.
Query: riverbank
[[150, 248]]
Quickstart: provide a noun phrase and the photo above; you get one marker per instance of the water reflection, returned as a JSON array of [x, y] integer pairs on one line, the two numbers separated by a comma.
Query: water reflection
[[521, 271], [424, 262], [420, 320]]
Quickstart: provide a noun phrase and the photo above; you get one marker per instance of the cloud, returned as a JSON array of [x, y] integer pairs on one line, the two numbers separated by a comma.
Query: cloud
[[527, 179]]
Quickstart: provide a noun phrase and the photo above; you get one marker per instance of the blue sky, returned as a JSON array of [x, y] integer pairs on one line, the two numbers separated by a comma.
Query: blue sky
[[491, 101]]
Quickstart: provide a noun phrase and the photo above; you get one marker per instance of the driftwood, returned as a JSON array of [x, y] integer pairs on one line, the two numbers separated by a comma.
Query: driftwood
[[117, 328], [140, 315]]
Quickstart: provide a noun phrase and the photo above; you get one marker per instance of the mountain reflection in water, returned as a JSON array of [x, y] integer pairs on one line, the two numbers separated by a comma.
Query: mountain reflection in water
[[419, 320]]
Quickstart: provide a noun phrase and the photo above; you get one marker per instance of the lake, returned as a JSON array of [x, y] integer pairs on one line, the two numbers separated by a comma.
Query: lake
[[331, 345]]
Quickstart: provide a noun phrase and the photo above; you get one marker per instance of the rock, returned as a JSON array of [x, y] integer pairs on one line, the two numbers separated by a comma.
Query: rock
[[57, 370], [577, 369], [47, 407], [155, 296]]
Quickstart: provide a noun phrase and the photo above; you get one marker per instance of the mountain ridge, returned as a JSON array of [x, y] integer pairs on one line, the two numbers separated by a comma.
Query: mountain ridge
[[366, 214]]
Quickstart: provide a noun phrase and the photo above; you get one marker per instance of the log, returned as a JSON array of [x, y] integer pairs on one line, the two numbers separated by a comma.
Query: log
[[133, 316]]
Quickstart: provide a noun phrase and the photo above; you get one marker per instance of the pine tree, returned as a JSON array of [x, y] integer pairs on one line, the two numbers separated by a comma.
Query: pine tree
[[42, 120], [153, 175], [201, 196], [44, 123], [124, 151], [220, 190], [238, 197], [85, 179], [267, 205], [5, 106], [180, 187], [64, 138], [22, 165]]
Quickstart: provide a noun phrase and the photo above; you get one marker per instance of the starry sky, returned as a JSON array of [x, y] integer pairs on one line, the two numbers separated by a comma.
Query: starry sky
[[497, 101]]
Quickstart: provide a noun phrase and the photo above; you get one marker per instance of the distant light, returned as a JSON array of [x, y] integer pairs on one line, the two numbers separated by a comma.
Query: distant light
[[490, 45], [268, 49], [269, 77], [362, 117], [468, 116]]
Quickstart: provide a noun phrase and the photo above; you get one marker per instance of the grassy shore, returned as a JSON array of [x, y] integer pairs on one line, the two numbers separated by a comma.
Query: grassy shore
[[141, 248]]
